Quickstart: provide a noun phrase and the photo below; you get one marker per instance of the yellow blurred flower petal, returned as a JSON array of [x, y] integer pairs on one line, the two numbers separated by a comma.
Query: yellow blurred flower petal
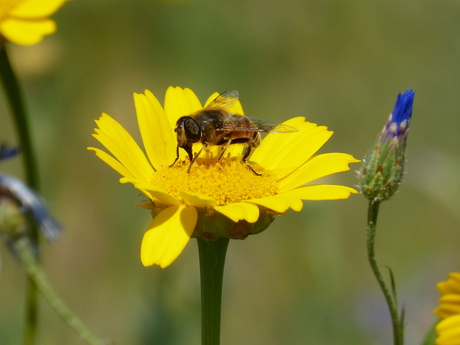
[[449, 311], [36, 9], [26, 22], [239, 211], [167, 235], [449, 305], [26, 32], [449, 331], [451, 286]]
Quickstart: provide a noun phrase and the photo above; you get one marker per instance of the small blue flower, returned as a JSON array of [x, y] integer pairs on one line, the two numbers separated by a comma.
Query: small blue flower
[[28, 201]]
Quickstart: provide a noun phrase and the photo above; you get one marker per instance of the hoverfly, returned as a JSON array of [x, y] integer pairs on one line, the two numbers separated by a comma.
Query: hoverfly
[[215, 125]]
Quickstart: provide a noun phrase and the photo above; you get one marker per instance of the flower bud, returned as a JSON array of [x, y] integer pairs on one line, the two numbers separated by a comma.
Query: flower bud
[[383, 166], [29, 203], [12, 220]]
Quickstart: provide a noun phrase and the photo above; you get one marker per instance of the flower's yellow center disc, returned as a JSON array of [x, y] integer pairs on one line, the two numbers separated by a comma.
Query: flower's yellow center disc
[[6, 6], [227, 181]]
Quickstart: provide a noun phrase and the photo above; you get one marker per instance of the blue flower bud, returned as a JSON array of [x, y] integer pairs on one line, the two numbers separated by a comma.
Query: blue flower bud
[[383, 166]]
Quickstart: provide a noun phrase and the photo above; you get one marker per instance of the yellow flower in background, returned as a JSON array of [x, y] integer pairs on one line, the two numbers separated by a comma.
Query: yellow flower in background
[[25, 22], [218, 198], [449, 311]]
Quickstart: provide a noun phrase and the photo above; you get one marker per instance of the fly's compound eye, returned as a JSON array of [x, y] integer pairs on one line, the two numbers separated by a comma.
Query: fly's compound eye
[[191, 129]]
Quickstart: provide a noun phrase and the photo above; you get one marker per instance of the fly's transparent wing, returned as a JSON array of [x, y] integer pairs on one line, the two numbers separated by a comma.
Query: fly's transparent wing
[[272, 127], [225, 100]]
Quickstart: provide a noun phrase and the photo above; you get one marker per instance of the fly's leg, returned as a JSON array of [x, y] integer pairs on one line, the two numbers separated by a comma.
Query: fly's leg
[[247, 153], [177, 157], [224, 149], [192, 160], [187, 149]]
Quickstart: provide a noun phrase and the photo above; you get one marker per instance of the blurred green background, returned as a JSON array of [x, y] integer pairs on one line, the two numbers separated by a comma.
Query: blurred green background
[[306, 279]]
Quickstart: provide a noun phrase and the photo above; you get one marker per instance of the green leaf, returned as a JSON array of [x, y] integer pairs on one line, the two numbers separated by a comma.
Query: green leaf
[[431, 335]]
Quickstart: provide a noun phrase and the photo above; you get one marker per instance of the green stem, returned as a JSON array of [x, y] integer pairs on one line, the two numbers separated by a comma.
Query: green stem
[[212, 261], [398, 336], [15, 99], [37, 275]]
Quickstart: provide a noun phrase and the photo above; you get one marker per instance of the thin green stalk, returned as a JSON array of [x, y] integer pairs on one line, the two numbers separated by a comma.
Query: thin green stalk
[[15, 100], [390, 296], [37, 275], [212, 261]]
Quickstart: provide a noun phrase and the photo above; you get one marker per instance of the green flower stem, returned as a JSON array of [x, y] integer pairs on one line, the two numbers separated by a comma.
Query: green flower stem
[[390, 296], [14, 97], [212, 261], [37, 275]]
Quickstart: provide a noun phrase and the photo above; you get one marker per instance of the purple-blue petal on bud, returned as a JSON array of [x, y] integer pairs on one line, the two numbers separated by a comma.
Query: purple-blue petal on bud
[[383, 166]]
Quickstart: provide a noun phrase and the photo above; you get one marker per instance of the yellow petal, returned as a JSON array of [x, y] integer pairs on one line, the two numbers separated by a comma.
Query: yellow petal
[[180, 102], [279, 203], [449, 305], [36, 8], [197, 200], [26, 32], [321, 192], [316, 167], [123, 147], [157, 135], [451, 286], [112, 162], [167, 235], [153, 190], [290, 150], [239, 211], [449, 331], [270, 143]]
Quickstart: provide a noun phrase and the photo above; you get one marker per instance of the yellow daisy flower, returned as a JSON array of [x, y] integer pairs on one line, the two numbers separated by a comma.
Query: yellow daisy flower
[[25, 22], [217, 198], [449, 311]]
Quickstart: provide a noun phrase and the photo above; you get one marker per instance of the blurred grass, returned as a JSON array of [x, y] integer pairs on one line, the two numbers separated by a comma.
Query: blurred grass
[[306, 279]]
